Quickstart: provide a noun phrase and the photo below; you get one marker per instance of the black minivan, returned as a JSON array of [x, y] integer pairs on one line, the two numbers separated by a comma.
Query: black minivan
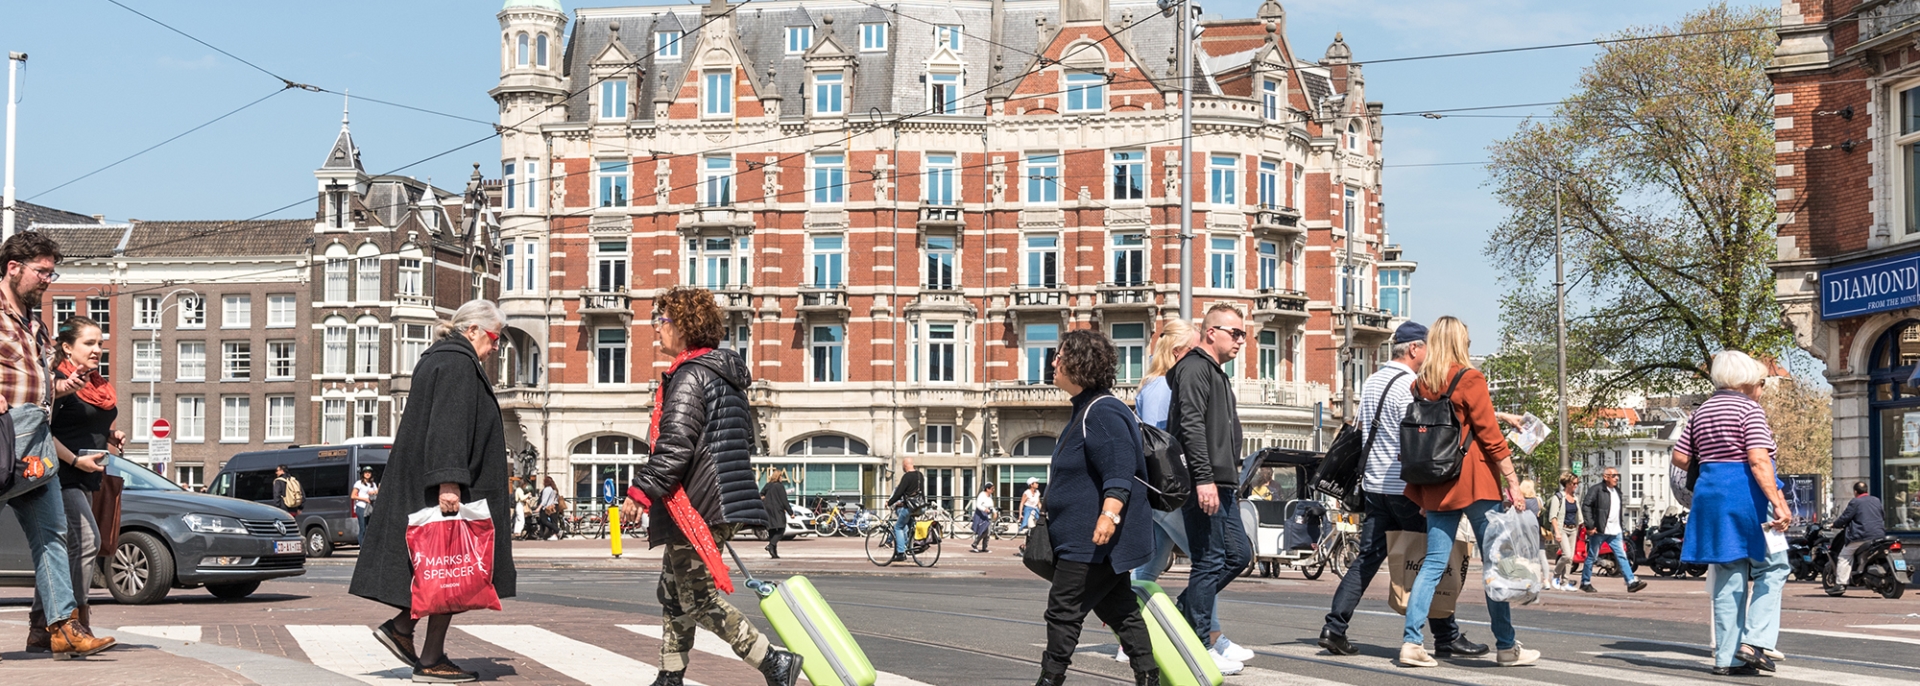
[[326, 474]]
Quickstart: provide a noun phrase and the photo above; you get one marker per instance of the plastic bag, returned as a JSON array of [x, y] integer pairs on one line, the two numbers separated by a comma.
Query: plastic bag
[[1515, 566], [452, 560]]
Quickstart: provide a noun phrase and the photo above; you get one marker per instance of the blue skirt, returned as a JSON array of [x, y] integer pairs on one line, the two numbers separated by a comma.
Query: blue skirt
[[1729, 510]]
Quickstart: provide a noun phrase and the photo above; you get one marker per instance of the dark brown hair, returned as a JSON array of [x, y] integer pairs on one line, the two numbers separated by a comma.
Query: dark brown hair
[[69, 333], [28, 246], [692, 313], [1087, 357]]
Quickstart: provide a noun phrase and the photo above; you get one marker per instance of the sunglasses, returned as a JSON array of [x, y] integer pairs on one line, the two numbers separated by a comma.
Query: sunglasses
[[1237, 334], [491, 336]]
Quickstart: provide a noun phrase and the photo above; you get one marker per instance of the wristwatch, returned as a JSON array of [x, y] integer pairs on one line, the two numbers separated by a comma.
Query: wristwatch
[[1115, 516]]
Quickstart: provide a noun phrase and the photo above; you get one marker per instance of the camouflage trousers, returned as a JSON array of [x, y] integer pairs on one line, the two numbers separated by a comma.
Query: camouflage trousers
[[688, 600]]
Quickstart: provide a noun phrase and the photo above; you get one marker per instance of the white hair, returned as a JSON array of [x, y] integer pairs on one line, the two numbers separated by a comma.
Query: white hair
[[1735, 369], [477, 312]]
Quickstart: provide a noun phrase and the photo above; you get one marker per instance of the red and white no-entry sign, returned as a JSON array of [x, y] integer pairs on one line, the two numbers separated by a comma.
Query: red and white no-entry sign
[[161, 429]]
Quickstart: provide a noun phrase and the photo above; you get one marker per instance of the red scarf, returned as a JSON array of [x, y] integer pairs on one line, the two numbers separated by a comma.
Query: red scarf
[[98, 392], [678, 504]]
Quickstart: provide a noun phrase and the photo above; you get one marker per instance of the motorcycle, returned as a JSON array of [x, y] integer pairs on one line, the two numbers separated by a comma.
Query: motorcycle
[[1879, 566], [1666, 543], [1807, 552]]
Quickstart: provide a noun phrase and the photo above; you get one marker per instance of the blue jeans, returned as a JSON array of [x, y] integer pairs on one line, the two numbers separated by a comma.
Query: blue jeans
[[43, 517], [1027, 515], [1220, 549], [902, 528], [1619, 544], [1441, 527], [1385, 513], [1166, 527], [1743, 616]]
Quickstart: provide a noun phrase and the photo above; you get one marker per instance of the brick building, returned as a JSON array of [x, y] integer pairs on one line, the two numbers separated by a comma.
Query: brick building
[[902, 207], [1847, 124]]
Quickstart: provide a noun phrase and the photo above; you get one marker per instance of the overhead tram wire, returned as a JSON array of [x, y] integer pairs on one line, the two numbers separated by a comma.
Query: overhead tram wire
[[151, 148]]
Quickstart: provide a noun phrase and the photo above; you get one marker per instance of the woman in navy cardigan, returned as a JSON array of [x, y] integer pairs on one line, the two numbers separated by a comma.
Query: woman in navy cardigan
[[1097, 512]]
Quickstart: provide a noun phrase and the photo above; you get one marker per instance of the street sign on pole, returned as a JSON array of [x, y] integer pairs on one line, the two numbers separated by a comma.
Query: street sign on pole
[[161, 428], [160, 446]]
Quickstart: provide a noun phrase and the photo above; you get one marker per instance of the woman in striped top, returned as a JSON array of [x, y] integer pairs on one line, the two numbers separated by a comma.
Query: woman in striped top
[[1729, 439]]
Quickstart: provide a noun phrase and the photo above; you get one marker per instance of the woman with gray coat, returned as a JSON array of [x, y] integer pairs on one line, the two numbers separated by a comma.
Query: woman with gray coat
[[450, 448]]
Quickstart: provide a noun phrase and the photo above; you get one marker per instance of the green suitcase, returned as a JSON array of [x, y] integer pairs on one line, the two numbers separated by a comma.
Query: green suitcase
[[1177, 650], [811, 630]]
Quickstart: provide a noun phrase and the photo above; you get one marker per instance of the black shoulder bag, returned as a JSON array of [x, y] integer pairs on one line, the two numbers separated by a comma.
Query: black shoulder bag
[[1433, 444], [1339, 474]]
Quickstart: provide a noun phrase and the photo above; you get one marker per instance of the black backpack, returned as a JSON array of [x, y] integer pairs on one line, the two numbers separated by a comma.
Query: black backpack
[[1339, 474], [1432, 442], [1168, 484]]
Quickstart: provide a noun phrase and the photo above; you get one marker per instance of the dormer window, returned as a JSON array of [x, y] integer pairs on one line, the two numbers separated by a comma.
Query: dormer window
[[666, 45], [613, 100], [944, 92], [1270, 100], [873, 37], [829, 90], [718, 101], [947, 35], [799, 38], [1353, 135], [1086, 92]]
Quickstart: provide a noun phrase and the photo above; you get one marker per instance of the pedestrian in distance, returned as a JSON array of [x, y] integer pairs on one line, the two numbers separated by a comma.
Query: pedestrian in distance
[[983, 511], [548, 510], [1205, 418], [363, 493], [1606, 526], [699, 484], [1386, 394], [287, 492], [1486, 481], [1150, 405], [1096, 512], [774, 496], [909, 496], [1560, 518], [1530, 493], [1863, 520], [1728, 443], [26, 394], [450, 448], [1030, 504], [83, 416]]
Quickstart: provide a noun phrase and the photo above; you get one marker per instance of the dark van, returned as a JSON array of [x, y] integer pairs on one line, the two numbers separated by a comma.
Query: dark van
[[326, 474]]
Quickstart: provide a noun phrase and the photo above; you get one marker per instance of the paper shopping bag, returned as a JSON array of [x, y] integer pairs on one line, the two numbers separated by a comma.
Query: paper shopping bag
[[1406, 551], [452, 560]]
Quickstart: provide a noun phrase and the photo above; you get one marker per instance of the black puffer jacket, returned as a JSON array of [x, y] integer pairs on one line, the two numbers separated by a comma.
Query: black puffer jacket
[[706, 444]]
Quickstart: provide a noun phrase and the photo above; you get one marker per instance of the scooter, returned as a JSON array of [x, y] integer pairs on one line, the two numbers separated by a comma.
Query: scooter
[[1807, 552], [1879, 566], [1666, 543]]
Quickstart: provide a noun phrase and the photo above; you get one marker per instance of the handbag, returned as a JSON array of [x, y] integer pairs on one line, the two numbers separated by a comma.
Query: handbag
[[1037, 552], [1339, 474], [1433, 444], [106, 512], [1168, 483], [21, 473]]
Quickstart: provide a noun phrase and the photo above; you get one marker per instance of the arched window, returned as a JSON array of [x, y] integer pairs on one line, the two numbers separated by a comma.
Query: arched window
[[333, 354], [520, 50], [1893, 360], [540, 51], [1353, 135], [336, 273], [1035, 446], [939, 439], [827, 444], [479, 278], [367, 285], [366, 346], [599, 458]]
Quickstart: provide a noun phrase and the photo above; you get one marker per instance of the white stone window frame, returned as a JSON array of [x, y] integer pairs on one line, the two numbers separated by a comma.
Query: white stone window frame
[[667, 45], [1904, 195], [873, 37], [921, 347], [799, 39]]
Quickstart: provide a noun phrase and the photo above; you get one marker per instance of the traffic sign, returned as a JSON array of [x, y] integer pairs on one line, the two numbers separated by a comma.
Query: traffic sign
[[161, 429], [606, 491], [160, 452]]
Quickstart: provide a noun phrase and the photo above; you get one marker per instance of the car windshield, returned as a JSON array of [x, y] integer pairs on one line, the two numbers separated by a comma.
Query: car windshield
[[139, 478]]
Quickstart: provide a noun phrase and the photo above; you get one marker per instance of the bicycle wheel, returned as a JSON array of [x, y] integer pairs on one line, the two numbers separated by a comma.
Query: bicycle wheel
[[1313, 571], [1004, 528], [928, 554], [880, 547], [826, 525]]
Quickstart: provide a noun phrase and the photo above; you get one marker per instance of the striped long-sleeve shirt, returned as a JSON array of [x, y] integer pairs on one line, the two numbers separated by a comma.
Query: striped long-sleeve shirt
[[1725, 427], [1383, 461]]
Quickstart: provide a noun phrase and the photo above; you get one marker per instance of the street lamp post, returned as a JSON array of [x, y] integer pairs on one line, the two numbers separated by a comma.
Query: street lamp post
[[14, 60]]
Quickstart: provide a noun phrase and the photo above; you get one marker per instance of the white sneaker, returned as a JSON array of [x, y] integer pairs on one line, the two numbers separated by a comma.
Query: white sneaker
[[1231, 650], [1517, 656], [1228, 666], [1415, 655], [1121, 657]]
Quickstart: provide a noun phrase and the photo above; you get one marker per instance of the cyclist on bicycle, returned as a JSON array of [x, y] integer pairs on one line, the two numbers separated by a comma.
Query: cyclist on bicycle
[[909, 497]]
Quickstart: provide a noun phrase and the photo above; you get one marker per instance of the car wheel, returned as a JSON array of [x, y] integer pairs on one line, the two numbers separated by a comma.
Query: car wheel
[[318, 544], [233, 591], [141, 569]]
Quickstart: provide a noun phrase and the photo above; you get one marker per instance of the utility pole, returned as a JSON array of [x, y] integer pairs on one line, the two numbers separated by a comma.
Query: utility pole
[[14, 60], [1186, 159], [1560, 330]]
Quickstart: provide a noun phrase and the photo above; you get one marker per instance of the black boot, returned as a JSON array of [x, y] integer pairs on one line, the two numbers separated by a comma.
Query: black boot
[[1147, 678], [781, 667], [674, 678], [1049, 679]]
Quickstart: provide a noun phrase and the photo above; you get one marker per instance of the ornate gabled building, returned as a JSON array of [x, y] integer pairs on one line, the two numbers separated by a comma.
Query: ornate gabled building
[[901, 207]]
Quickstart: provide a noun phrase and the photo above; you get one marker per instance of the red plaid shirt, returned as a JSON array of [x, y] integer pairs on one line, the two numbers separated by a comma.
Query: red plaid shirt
[[26, 351]]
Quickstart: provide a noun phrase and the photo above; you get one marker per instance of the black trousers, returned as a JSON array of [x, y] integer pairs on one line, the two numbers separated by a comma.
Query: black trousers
[[1079, 588], [1384, 513], [773, 540]]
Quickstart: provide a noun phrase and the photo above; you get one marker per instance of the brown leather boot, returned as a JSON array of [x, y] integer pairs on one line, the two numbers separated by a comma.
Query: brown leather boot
[[85, 617], [38, 639], [71, 640]]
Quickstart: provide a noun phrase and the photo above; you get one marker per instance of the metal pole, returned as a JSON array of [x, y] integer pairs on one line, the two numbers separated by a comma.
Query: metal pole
[[1349, 288], [14, 59], [1560, 332], [1186, 160]]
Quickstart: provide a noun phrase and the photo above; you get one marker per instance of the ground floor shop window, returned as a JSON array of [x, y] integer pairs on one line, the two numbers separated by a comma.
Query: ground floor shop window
[[1895, 405], [605, 457]]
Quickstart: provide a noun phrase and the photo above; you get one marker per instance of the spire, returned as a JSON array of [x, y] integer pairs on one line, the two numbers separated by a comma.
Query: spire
[[344, 155], [1338, 52]]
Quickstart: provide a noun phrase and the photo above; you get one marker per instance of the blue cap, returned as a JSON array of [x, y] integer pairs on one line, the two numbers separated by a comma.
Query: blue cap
[[1410, 332]]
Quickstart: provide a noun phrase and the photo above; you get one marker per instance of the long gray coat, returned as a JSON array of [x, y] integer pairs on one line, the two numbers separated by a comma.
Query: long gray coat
[[451, 432]]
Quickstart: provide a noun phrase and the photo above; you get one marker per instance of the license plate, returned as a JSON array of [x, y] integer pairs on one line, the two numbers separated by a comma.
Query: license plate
[[1900, 565], [285, 547]]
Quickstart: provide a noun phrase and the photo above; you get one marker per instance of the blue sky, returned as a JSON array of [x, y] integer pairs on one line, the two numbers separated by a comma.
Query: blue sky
[[102, 83]]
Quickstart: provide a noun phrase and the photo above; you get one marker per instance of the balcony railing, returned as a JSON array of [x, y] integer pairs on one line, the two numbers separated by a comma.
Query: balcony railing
[[1122, 295], [616, 302], [827, 299], [941, 216], [734, 298], [1887, 18], [1274, 393], [520, 398], [1280, 303], [409, 300], [1366, 319], [716, 217], [1026, 395], [1039, 296], [941, 397]]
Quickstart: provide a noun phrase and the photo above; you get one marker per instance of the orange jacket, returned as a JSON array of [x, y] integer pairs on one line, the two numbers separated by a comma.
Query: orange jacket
[[1479, 473]]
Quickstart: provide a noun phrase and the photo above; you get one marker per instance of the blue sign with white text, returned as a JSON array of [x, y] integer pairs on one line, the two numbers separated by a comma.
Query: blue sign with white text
[[1892, 283]]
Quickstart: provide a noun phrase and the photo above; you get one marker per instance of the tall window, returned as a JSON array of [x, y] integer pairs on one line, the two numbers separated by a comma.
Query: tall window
[[529, 261], [1043, 179], [943, 93], [189, 365], [711, 262], [940, 177], [509, 181], [236, 361], [146, 312], [101, 311], [1270, 100], [1269, 185], [409, 271], [1269, 268], [1269, 354], [1043, 261], [507, 282], [334, 347], [940, 257], [610, 355], [718, 101], [829, 261], [236, 419], [1042, 344], [1909, 165], [333, 420], [939, 360], [280, 410], [521, 51], [63, 309], [1393, 292], [829, 353], [336, 277], [610, 266], [799, 38], [1223, 180], [612, 177], [366, 413], [367, 287], [146, 408], [1129, 259], [146, 361], [236, 312], [1129, 175], [280, 310], [1353, 135], [366, 348], [949, 35], [1299, 187], [613, 99], [829, 178], [193, 312], [1349, 213], [873, 37], [937, 439], [716, 180], [529, 177], [413, 343], [1222, 263], [666, 45], [280, 360], [829, 93], [193, 418], [1130, 340], [1086, 92], [1637, 489], [740, 340], [540, 51]]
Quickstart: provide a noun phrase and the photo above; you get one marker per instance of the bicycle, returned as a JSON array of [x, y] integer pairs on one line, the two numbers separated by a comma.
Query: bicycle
[[1341, 544], [924, 548]]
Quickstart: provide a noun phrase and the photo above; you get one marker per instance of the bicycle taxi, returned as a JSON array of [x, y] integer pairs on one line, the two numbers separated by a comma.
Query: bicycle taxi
[[1289, 528]]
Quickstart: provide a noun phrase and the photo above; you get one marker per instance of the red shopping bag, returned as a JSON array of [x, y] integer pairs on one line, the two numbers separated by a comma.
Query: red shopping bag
[[452, 560], [1580, 546]]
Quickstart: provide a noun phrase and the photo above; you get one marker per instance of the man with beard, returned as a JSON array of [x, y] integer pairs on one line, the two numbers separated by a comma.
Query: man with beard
[[26, 394]]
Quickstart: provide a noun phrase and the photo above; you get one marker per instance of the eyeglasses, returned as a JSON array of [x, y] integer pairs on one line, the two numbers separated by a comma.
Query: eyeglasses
[[48, 274], [657, 321], [1237, 334]]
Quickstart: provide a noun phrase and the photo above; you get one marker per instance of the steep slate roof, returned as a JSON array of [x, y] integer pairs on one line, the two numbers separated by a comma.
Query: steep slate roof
[[86, 241], [344, 154], [251, 238], [27, 214]]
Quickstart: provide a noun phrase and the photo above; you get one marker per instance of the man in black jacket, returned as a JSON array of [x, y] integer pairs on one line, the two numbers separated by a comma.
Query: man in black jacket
[[1601, 510], [1865, 519], [1204, 417], [912, 484]]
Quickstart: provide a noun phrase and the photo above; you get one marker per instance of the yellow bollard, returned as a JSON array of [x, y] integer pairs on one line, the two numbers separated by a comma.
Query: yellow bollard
[[613, 527]]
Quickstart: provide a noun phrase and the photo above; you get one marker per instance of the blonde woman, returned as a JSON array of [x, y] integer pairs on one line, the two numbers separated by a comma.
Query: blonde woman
[[1155, 397], [1486, 481]]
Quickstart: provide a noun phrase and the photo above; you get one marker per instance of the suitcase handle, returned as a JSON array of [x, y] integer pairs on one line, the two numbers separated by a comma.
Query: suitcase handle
[[760, 588]]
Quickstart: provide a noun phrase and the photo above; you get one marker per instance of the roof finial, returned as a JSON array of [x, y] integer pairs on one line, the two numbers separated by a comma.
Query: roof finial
[[345, 101]]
